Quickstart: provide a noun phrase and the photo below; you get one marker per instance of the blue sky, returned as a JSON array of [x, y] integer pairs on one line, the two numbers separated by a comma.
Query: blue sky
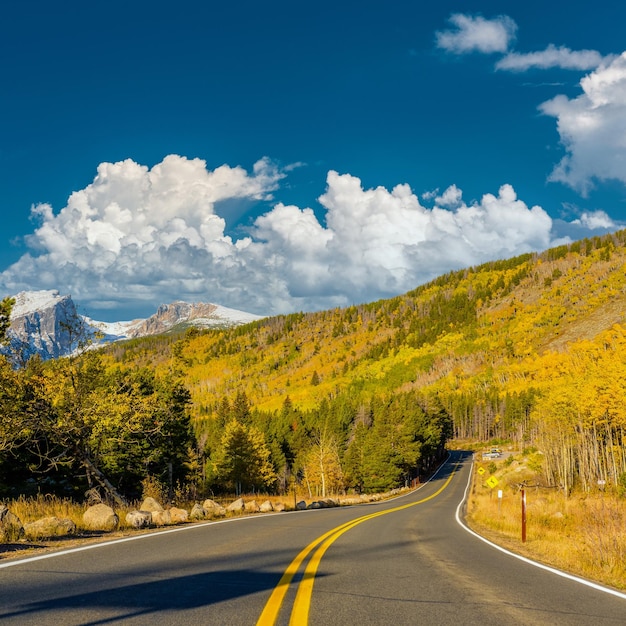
[[287, 156]]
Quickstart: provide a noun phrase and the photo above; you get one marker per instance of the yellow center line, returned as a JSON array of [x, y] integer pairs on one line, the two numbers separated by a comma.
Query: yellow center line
[[302, 603], [272, 607]]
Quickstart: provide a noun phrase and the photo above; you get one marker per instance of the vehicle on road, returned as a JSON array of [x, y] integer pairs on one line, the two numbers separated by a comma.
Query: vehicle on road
[[494, 453]]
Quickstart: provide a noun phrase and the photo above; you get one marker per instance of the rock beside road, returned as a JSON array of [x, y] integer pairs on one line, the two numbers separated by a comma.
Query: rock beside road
[[11, 528], [49, 527], [100, 517]]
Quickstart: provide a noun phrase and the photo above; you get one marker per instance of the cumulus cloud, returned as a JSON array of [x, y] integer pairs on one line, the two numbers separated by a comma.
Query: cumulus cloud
[[378, 243], [140, 235], [592, 128], [552, 57], [596, 220], [477, 34], [450, 198]]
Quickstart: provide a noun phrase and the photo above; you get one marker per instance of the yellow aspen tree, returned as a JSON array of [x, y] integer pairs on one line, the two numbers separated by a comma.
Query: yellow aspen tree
[[555, 418], [322, 468]]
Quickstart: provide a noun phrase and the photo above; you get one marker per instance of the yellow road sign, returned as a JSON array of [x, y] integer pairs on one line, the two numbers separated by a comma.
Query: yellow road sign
[[492, 482]]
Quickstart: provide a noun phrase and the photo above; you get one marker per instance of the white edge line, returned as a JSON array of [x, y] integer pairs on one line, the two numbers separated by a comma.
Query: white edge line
[[157, 533], [552, 570]]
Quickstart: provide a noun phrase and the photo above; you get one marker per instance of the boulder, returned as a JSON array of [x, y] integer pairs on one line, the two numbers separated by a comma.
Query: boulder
[[150, 504], [251, 507], [213, 508], [350, 500], [236, 507], [178, 516], [48, 527], [161, 518], [100, 517], [197, 512], [139, 519], [11, 527], [266, 507], [301, 506], [279, 506]]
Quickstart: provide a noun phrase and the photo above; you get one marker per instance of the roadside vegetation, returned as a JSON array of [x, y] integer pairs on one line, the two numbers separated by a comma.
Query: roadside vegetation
[[582, 533]]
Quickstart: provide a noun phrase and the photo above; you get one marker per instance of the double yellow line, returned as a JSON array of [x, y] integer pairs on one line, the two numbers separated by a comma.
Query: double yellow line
[[302, 603]]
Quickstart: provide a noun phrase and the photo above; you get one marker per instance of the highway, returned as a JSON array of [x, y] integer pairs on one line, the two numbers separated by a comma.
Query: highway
[[405, 561]]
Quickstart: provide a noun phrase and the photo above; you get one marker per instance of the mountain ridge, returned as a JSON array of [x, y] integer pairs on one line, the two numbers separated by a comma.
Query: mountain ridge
[[48, 324]]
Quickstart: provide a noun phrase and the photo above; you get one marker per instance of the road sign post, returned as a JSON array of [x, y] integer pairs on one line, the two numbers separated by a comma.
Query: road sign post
[[523, 516]]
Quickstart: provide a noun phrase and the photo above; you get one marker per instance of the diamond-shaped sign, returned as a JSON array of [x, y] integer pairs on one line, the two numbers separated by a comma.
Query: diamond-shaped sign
[[492, 481], [481, 470]]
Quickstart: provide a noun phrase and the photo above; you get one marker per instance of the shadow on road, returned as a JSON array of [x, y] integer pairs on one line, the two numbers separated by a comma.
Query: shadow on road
[[157, 596]]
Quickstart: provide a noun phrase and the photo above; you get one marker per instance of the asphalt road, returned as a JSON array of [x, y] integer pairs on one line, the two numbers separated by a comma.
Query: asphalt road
[[406, 561]]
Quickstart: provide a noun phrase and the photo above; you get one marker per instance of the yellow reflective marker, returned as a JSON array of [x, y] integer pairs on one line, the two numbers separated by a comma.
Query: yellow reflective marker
[[481, 470], [492, 482], [302, 603]]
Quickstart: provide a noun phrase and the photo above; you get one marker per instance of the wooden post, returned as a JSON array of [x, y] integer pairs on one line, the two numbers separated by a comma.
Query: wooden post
[[523, 516]]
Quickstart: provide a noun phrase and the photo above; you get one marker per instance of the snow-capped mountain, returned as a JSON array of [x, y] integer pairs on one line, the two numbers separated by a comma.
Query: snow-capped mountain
[[44, 323], [48, 324]]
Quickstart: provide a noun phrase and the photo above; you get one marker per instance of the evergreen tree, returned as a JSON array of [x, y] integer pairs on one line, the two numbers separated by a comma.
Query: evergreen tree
[[244, 458], [240, 409]]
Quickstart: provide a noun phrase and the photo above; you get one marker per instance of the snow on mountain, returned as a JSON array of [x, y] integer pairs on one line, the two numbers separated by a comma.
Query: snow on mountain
[[48, 324], [168, 316], [29, 301], [44, 323]]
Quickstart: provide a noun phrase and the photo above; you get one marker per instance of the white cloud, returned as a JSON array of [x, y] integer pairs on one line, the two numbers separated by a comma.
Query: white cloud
[[379, 243], [477, 34], [135, 233], [596, 220], [153, 236], [592, 128], [551, 57], [450, 198]]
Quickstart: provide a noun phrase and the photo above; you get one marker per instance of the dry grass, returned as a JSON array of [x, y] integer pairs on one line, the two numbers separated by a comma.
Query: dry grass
[[34, 508], [31, 509], [584, 534]]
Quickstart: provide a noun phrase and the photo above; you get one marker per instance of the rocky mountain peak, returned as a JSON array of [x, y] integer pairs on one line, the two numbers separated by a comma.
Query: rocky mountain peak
[[44, 323], [48, 324], [170, 315]]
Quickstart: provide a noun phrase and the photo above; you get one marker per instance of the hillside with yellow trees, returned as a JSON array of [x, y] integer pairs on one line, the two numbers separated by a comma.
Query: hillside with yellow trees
[[530, 350]]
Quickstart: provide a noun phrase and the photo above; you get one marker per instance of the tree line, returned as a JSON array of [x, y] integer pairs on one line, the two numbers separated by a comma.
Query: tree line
[[342, 444]]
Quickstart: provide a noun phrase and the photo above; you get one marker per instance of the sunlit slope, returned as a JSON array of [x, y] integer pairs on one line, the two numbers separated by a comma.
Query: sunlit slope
[[466, 327]]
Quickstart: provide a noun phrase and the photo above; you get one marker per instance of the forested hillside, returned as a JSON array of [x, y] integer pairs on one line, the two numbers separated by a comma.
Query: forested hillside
[[530, 349]]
